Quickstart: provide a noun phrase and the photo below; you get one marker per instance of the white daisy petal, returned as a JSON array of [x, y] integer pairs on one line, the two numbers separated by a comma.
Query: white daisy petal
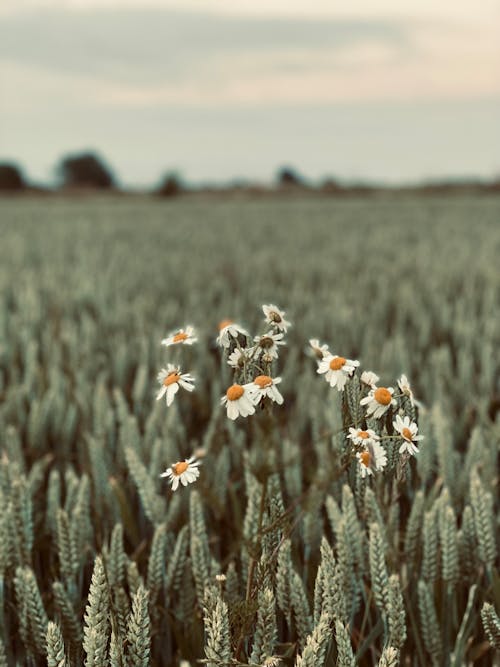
[[275, 317], [186, 472], [180, 337], [337, 370], [171, 379], [408, 431], [239, 401], [161, 393], [378, 401], [171, 392], [369, 378]]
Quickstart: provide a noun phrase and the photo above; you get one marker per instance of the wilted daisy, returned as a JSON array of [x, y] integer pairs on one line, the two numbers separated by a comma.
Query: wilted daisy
[[229, 330], [264, 385], [276, 317], [236, 359], [408, 430], [318, 350], [378, 401], [372, 458], [171, 379], [369, 378], [182, 337], [360, 437], [406, 389], [337, 370], [238, 401], [268, 344], [186, 472]]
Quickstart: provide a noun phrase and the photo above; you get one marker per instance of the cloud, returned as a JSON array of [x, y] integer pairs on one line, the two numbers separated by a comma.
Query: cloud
[[456, 10], [236, 87], [142, 46], [139, 58]]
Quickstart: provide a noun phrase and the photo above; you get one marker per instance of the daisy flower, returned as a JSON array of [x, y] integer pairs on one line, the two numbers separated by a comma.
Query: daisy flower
[[408, 430], [372, 458], [318, 350], [276, 317], [264, 385], [183, 336], [337, 370], [229, 330], [378, 401], [171, 379], [406, 389], [268, 344], [186, 472], [236, 359], [370, 378], [238, 401], [360, 437]]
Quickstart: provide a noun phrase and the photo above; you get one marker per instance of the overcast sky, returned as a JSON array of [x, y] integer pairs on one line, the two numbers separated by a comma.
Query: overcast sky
[[390, 90]]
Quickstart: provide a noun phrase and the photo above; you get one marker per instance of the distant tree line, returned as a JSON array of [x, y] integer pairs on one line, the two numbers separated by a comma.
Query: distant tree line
[[11, 178], [88, 171]]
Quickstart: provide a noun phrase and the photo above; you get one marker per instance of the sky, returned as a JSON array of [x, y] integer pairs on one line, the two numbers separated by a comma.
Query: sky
[[384, 90]]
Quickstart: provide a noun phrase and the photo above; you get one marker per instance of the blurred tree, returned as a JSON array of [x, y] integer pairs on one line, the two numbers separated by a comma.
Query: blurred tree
[[86, 170], [170, 186], [11, 178], [288, 176]]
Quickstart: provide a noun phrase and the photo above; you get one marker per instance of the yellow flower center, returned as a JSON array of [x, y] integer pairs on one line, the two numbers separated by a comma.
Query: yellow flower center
[[274, 316], [263, 381], [235, 392], [224, 323], [365, 458], [179, 468], [180, 337], [382, 396], [363, 434], [266, 342], [337, 363], [406, 433], [171, 378]]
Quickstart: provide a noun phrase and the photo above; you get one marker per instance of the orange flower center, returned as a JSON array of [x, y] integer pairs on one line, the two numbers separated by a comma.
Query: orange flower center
[[382, 396], [171, 378], [365, 458], [363, 434], [235, 392], [179, 337], [179, 468], [266, 342], [263, 381], [406, 433], [337, 363], [224, 323]]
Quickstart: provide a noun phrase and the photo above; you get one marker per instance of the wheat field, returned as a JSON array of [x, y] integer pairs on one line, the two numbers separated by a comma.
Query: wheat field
[[285, 550]]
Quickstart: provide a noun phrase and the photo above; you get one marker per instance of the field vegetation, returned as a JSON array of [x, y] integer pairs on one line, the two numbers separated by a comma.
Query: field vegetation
[[281, 552]]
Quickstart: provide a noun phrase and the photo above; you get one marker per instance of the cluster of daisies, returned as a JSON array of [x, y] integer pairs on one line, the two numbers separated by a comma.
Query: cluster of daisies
[[253, 384], [252, 360], [377, 402]]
